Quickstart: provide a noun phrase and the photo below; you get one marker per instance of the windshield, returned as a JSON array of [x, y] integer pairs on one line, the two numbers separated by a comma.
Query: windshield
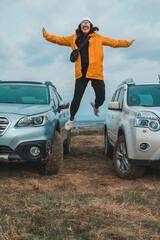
[[144, 95], [23, 94]]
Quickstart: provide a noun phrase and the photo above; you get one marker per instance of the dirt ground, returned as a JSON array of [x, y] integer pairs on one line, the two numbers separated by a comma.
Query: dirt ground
[[86, 200]]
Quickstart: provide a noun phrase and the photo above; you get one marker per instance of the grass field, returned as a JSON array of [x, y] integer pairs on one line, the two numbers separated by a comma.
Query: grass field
[[86, 200]]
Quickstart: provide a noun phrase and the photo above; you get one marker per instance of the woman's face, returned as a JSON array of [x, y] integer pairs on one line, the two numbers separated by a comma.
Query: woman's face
[[85, 26]]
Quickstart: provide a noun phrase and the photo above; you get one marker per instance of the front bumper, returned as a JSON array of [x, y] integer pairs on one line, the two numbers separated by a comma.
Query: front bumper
[[138, 137], [16, 141], [22, 152], [144, 162]]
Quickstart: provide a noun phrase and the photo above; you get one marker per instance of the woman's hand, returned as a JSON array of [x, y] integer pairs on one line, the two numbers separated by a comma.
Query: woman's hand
[[43, 30]]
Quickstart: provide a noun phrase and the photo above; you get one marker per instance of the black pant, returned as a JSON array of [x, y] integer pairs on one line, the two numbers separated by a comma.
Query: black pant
[[80, 86]]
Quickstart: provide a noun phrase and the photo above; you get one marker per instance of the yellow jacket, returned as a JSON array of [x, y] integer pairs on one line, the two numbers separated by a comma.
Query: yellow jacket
[[96, 42]]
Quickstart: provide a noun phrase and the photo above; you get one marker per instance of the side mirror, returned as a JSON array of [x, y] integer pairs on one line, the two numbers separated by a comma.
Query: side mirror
[[114, 106], [64, 105]]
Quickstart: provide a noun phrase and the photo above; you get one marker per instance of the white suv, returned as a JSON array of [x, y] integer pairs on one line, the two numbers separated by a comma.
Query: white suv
[[132, 128]]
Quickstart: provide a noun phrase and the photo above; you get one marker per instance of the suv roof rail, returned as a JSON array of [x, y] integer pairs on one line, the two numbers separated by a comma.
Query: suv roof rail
[[31, 82], [128, 81], [49, 83]]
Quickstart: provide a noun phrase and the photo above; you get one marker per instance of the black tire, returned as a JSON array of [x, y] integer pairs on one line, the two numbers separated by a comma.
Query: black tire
[[54, 157], [67, 144], [120, 161], [108, 149]]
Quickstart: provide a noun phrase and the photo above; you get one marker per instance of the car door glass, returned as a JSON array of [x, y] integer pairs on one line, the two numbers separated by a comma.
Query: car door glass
[[112, 100], [121, 97], [116, 95], [58, 97], [56, 101], [54, 98]]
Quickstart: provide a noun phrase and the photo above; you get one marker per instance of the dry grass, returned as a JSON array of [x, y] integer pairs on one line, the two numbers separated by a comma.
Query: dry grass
[[86, 200]]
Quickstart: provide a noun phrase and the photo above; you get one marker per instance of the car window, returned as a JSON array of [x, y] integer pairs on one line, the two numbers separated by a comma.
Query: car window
[[144, 95], [115, 96], [55, 99], [23, 94], [58, 96], [121, 97]]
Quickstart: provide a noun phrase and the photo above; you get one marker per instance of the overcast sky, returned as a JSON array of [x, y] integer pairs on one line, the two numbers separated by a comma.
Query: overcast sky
[[26, 55]]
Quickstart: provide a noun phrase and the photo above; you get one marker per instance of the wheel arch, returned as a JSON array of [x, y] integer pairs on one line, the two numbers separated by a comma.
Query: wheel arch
[[105, 131], [105, 128], [121, 132], [57, 127]]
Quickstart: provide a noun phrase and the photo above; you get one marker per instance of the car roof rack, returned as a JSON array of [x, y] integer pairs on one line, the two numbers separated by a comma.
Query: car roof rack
[[128, 81], [31, 82], [49, 83]]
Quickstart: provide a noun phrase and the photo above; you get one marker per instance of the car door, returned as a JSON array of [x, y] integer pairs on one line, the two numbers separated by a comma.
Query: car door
[[62, 114], [110, 117], [117, 114]]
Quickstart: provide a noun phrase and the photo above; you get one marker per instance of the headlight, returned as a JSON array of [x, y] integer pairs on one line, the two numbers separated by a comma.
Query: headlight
[[147, 120], [36, 120]]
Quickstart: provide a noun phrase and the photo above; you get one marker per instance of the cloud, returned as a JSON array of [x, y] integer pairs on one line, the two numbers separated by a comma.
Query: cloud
[[147, 42], [6, 47], [26, 55]]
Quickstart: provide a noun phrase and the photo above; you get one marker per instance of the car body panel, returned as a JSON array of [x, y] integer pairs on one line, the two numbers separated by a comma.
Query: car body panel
[[122, 121], [15, 136]]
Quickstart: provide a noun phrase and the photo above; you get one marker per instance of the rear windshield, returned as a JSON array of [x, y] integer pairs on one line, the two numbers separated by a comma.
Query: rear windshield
[[144, 95], [23, 94]]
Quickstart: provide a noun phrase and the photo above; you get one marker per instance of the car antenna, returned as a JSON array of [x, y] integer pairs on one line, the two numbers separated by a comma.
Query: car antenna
[[159, 77]]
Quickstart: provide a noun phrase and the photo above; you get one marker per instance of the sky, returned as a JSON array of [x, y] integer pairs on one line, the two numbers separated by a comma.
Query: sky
[[26, 55]]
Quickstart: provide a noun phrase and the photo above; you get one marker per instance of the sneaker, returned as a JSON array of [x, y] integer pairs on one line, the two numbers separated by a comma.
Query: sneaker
[[69, 124], [96, 110]]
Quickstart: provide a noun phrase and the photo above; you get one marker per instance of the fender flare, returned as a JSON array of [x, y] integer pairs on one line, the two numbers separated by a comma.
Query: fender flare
[[50, 142], [121, 132], [57, 126]]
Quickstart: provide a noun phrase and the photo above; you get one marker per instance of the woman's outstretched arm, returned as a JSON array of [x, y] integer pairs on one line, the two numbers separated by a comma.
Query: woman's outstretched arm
[[116, 43], [64, 41]]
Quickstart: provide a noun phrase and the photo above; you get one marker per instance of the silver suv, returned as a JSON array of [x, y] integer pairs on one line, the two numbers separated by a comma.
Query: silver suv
[[32, 119], [132, 128]]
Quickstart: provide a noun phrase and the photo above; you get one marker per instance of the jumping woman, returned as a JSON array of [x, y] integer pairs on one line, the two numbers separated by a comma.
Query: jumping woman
[[89, 64]]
